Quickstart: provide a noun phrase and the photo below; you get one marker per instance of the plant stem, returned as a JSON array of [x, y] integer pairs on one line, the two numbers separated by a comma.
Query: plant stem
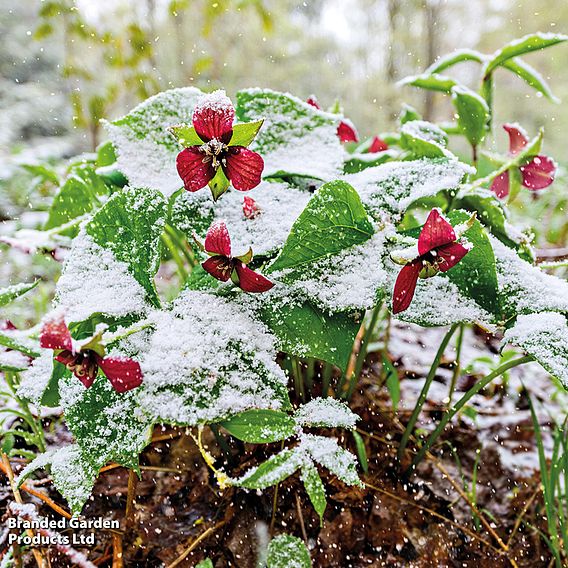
[[298, 380], [175, 257], [447, 417], [457, 364], [326, 379], [362, 355], [424, 392], [130, 497]]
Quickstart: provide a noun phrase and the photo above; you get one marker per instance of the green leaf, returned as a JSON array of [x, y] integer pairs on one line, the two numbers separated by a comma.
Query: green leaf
[[304, 330], [272, 471], [10, 293], [146, 150], [424, 139], [219, 184], [245, 132], [186, 135], [285, 551], [259, 426], [315, 489], [408, 114], [392, 382], [325, 413], [526, 44], [73, 475], [361, 451], [107, 426], [473, 114], [531, 76], [359, 162], [130, 225], [12, 342], [458, 56], [106, 154], [42, 171], [430, 82], [333, 220], [207, 563], [50, 396], [543, 335], [297, 139], [475, 275]]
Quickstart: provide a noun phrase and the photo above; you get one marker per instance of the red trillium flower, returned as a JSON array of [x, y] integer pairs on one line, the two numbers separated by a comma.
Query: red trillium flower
[[250, 208], [215, 151], [439, 249], [377, 145], [537, 174], [222, 265], [345, 131], [85, 359]]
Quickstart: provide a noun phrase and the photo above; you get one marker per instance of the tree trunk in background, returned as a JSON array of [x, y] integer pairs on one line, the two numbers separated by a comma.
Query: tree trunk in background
[[393, 8], [432, 12]]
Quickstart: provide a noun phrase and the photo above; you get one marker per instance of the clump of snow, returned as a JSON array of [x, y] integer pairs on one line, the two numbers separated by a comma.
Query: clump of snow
[[208, 358], [296, 138], [13, 360], [524, 287], [217, 100], [94, 281], [35, 379], [394, 186], [325, 412], [146, 151], [349, 280], [544, 336], [280, 205]]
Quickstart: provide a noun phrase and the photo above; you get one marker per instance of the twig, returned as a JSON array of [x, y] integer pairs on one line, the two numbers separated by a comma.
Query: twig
[[117, 550], [301, 518], [130, 497], [194, 544], [18, 497]]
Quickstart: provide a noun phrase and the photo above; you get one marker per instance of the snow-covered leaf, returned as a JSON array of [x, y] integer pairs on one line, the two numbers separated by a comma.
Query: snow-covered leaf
[[260, 426], [543, 335], [72, 474], [430, 81], [130, 225], [10, 293], [393, 187], [286, 551], [472, 114], [531, 76], [325, 413], [333, 220], [315, 489], [145, 149], [455, 57], [296, 139], [424, 139], [274, 470]]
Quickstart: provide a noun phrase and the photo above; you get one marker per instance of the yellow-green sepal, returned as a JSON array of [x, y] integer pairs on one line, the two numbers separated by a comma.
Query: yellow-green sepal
[[185, 135], [219, 184], [245, 132]]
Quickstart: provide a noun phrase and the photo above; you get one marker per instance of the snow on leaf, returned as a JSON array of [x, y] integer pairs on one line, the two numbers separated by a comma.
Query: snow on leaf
[[274, 470], [10, 293], [207, 359], [525, 288], [395, 186], [286, 551], [112, 290], [35, 379], [296, 138], [328, 453], [325, 413], [146, 150], [72, 475], [314, 488], [258, 426], [543, 335], [280, 205], [424, 139]]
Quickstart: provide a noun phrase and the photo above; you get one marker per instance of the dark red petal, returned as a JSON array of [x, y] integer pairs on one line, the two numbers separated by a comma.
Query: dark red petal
[[251, 281], [346, 132], [7, 325], [450, 255], [250, 207], [378, 145], [500, 185], [312, 101], [213, 117], [192, 170], [538, 173], [517, 138], [219, 267], [404, 286], [66, 357], [435, 233], [124, 374], [217, 240], [244, 168], [86, 380], [55, 335]]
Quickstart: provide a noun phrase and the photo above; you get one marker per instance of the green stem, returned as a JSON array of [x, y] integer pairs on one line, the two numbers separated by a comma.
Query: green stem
[[457, 364], [298, 380], [182, 246], [424, 392], [362, 355], [310, 370], [173, 250], [447, 417]]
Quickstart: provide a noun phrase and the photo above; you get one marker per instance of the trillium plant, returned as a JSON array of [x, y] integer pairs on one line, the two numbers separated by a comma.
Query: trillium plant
[[345, 233]]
